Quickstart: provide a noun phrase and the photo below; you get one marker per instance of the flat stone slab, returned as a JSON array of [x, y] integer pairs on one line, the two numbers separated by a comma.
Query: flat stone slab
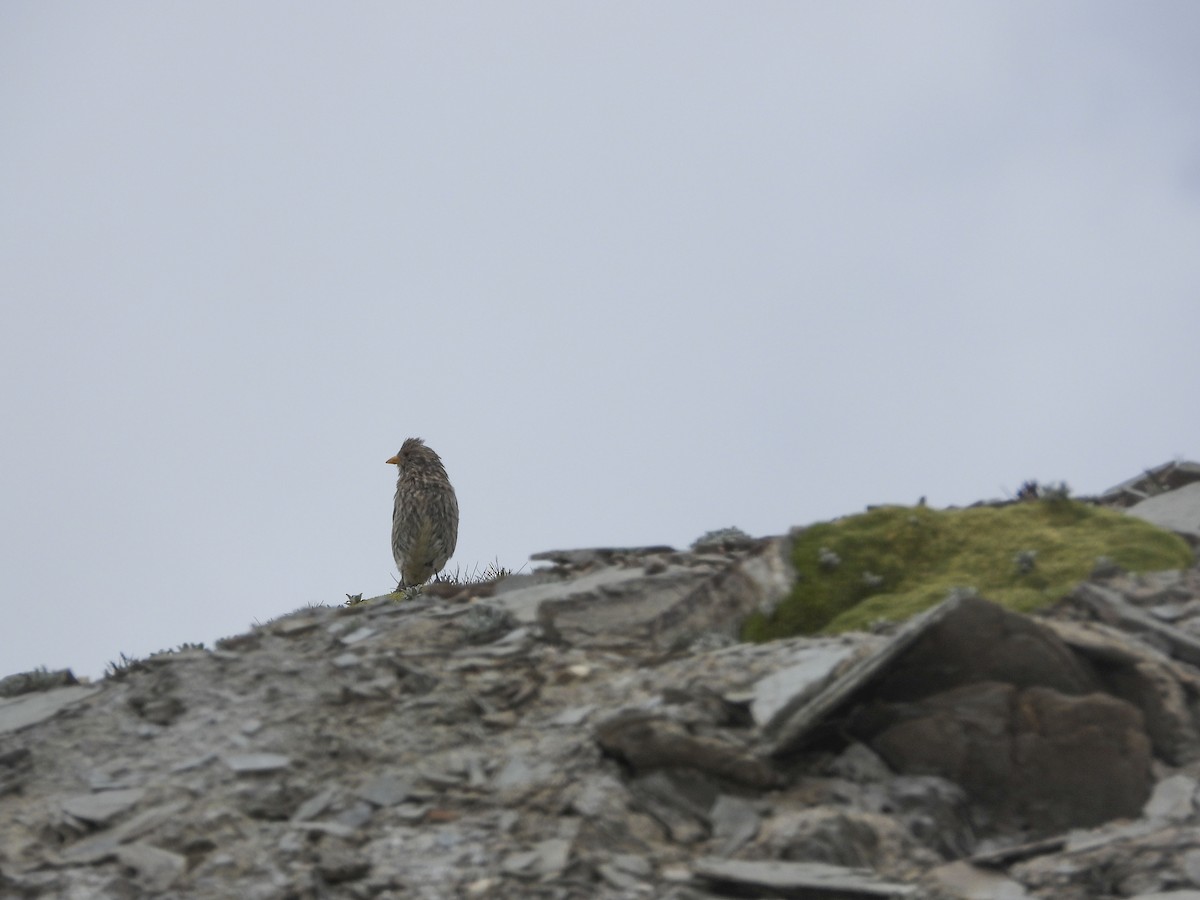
[[970, 882], [102, 807], [785, 690], [1111, 607], [253, 763], [1177, 510], [29, 709], [793, 876]]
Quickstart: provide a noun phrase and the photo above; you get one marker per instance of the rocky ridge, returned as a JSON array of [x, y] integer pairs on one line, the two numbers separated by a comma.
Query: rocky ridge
[[595, 730]]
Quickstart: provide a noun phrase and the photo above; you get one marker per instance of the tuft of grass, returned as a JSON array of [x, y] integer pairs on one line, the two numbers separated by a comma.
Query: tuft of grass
[[493, 571], [895, 561]]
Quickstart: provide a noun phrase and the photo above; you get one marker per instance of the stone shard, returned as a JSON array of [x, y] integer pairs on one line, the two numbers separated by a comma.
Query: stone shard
[[780, 694], [1177, 510], [29, 709], [385, 790], [254, 763], [1111, 608], [102, 807], [833, 881], [1173, 799], [156, 870], [967, 882]]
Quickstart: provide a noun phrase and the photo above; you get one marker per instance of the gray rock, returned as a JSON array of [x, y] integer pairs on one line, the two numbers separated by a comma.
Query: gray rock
[[358, 635], [29, 709], [102, 808], [860, 763], [1161, 688], [103, 845], [546, 859], [314, 805], [385, 790], [1177, 510], [37, 680], [1173, 799], [666, 605], [1052, 760], [256, 763], [963, 880], [789, 733], [156, 870], [1110, 607], [679, 800], [339, 864], [591, 556], [735, 822], [839, 837], [781, 693], [647, 742], [783, 876]]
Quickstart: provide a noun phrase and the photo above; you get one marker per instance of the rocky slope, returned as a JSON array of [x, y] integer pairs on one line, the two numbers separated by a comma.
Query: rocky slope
[[594, 730]]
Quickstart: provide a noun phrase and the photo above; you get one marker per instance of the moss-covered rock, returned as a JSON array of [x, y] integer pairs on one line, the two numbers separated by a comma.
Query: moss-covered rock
[[892, 562]]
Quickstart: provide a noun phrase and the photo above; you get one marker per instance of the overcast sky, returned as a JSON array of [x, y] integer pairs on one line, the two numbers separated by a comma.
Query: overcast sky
[[635, 270]]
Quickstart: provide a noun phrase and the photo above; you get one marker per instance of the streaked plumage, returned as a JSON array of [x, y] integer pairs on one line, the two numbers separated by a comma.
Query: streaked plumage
[[425, 516]]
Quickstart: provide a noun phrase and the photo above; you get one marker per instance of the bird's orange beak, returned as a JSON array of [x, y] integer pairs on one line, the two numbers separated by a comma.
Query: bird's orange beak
[[394, 461]]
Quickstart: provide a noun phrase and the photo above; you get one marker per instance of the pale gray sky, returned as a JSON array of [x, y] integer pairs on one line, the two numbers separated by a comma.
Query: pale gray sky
[[635, 271]]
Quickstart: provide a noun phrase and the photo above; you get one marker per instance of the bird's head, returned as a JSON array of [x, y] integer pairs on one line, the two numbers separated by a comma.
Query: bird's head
[[414, 456]]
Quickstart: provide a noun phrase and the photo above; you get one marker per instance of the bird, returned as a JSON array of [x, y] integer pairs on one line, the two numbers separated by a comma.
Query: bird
[[425, 516]]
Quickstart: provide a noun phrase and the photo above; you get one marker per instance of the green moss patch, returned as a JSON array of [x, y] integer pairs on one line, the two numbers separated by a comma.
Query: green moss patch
[[894, 561]]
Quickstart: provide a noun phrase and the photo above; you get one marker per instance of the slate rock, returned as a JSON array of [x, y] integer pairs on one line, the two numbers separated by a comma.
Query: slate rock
[[962, 880], [1164, 690], [256, 763], [1173, 799], [793, 876], [385, 790], [780, 694], [36, 680], [29, 709], [840, 837], [101, 808], [155, 870], [982, 641], [646, 742], [1054, 760], [735, 822], [339, 863], [1177, 510]]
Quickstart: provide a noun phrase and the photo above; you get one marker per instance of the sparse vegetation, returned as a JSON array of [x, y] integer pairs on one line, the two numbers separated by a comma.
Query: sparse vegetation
[[895, 561], [491, 572], [126, 664]]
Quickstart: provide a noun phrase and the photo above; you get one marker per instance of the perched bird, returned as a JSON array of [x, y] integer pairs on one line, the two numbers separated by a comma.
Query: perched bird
[[425, 518]]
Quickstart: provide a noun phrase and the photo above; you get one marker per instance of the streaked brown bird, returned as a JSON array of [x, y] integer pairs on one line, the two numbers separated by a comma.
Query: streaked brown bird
[[425, 517]]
